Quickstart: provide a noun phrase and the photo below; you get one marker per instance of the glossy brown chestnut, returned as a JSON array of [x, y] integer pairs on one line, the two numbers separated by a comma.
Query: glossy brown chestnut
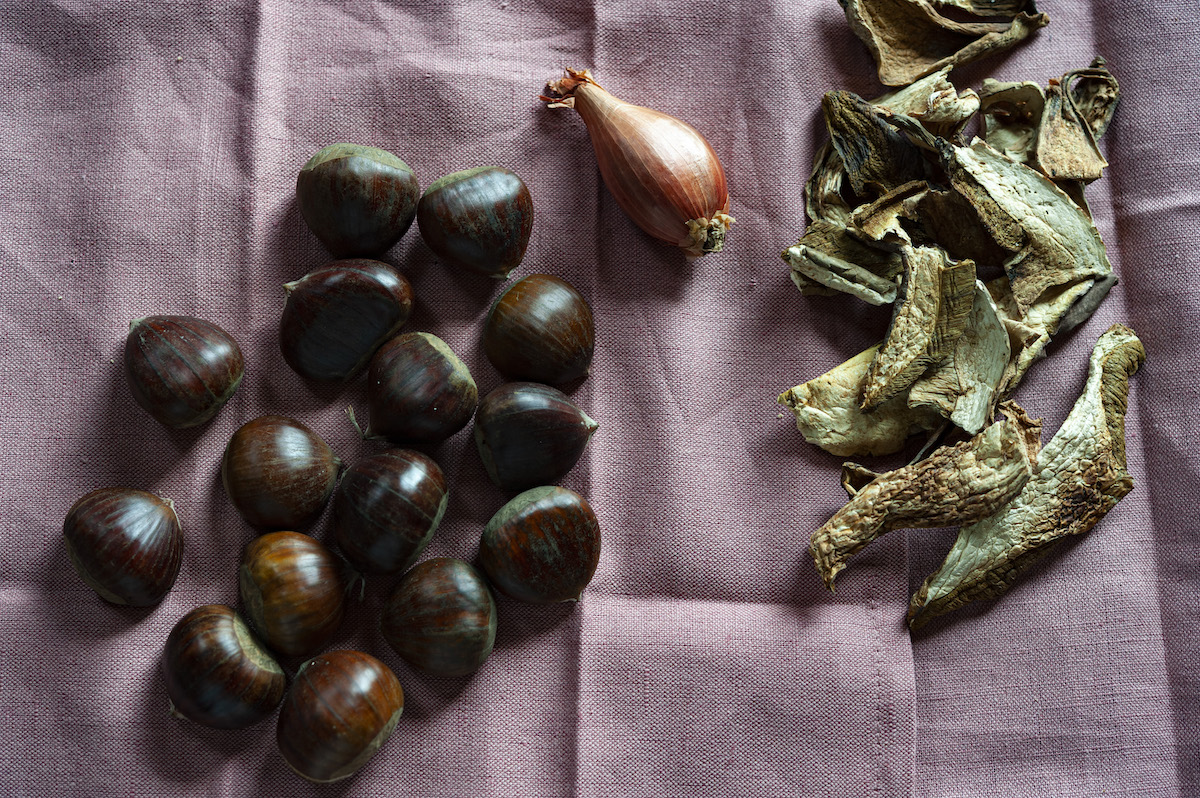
[[541, 329], [342, 707], [530, 434], [180, 369], [293, 592], [278, 473], [542, 547], [418, 391], [358, 201], [337, 316], [478, 219], [441, 617], [126, 544], [386, 509], [217, 673]]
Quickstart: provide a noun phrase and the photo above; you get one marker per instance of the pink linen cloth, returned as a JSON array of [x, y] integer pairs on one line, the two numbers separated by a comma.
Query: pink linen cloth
[[151, 152]]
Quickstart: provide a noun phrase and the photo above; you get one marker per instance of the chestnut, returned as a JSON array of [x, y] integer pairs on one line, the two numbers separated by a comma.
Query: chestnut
[[418, 390], [530, 434], [126, 544], [181, 370], [217, 673], [278, 473], [386, 509], [441, 617], [478, 219], [358, 201], [335, 318], [542, 546], [293, 592], [541, 329], [343, 705]]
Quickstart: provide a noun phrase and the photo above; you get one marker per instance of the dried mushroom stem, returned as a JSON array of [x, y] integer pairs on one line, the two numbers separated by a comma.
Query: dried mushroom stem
[[955, 485], [1080, 475]]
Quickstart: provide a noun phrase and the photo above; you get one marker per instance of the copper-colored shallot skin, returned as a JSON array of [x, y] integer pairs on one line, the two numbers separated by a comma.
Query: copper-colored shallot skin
[[662, 172]]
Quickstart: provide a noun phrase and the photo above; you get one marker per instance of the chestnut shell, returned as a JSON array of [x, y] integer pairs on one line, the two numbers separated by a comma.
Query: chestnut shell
[[386, 509], [358, 201], [126, 544], [441, 617], [530, 434], [478, 219], [418, 390], [217, 673], [278, 473], [543, 546], [343, 705], [293, 592], [181, 370], [337, 316], [541, 329]]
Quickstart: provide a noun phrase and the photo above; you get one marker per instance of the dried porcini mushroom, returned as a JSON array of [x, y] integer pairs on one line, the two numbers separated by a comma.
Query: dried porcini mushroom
[[955, 485], [828, 415], [910, 39], [829, 257], [930, 314], [875, 155], [1080, 475], [1012, 117], [965, 387], [935, 103]]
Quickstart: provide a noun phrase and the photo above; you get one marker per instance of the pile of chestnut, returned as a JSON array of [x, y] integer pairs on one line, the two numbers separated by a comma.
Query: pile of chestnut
[[543, 546]]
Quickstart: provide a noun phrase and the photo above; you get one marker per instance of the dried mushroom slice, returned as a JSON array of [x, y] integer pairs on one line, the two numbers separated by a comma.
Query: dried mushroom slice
[[1080, 476], [827, 413], [1012, 117], [930, 314], [1079, 107], [966, 387], [1030, 331], [1052, 241], [875, 155], [910, 39], [935, 103], [823, 198], [1095, 94], [881, 223], [828, 257], [955, 485]]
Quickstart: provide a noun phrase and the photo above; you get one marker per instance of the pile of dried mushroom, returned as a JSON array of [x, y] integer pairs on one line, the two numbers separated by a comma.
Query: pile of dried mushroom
[[984, 250]]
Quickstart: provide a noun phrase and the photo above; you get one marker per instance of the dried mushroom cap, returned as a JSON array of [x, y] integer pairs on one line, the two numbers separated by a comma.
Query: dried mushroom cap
[[1052, 241], [910, 39], [875, 155], [955, 485], [1080, 475], [1095, 94], [823, 199], [934, 102], [966, 386], [1012, 117], [1079, 107], [930, 314], [881, 222], [1030, 331], [829, 257], [828, 416]]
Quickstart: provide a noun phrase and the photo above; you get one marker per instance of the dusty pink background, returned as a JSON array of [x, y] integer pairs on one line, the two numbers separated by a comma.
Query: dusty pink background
[[150, 152]]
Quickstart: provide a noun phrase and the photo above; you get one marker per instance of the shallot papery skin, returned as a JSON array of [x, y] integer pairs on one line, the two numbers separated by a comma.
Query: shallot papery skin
[[661, 171]]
